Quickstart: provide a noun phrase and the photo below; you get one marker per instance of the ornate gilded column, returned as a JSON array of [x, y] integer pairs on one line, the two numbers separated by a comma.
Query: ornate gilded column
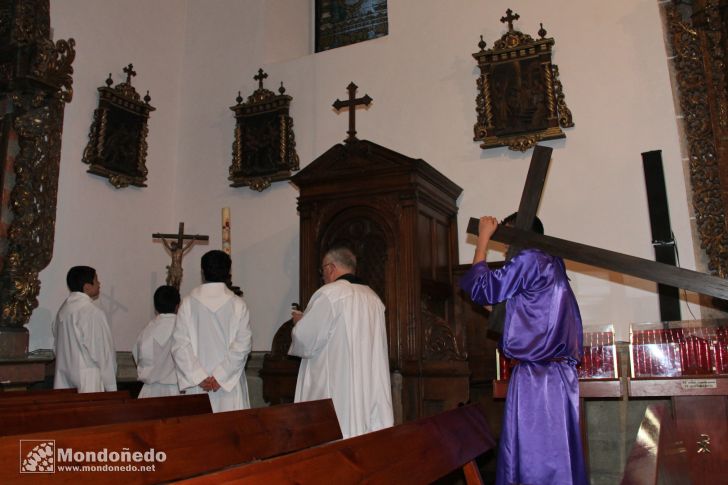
[[35, 85], [697, 33]]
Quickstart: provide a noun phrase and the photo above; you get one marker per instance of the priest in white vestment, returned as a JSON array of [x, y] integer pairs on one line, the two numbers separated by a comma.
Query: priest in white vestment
[[342, 340], [153, 349], [212, 339], [85, 355]]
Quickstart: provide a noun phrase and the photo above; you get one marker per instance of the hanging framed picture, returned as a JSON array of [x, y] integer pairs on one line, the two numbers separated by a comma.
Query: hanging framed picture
[[264, 150], [117, 146], [520, 98]]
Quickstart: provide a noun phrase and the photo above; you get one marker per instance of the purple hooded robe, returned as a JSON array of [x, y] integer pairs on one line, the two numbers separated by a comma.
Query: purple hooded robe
[[540, 442]]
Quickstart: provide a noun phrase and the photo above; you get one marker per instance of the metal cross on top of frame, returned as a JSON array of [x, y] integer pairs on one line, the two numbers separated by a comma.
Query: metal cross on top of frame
[[521, 236]]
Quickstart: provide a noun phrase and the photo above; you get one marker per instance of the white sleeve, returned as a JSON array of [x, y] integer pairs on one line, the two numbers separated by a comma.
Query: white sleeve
[[190, 372], [228, 372], [136, 352], [313, 330], [96, 337]]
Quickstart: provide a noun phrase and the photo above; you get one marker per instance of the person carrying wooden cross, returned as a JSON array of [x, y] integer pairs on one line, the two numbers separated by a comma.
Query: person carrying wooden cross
[[540, 441]]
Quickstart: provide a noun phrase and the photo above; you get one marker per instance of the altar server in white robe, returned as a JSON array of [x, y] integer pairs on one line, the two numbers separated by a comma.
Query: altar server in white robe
[[85, 355], [342, 341], [212, 338], [153, 349]]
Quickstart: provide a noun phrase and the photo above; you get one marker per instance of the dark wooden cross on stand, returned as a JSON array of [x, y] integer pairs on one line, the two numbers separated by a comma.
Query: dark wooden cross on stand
[[352, 103], [177, 248], [259, 77], [521, 236]]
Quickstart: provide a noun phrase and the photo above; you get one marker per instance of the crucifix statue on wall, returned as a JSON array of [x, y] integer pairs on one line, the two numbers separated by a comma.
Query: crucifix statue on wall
[[177, 245]]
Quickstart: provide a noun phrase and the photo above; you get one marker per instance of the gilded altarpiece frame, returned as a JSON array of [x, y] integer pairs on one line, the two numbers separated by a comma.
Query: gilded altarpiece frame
[[35, 85], [264, 149], [697, 33], [520, 98], [117, 141]]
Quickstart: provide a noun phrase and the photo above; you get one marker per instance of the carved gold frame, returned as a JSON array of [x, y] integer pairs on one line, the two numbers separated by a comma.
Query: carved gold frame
[[35, 85], [697, 33], [119, 122], [263, 112], [507, 73]]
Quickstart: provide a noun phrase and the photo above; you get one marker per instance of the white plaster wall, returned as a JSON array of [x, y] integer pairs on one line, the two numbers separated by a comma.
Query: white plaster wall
[[422, 78], [225, 46], [96, 224]]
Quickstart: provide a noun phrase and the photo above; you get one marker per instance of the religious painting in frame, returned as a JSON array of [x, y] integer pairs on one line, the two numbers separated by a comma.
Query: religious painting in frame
[[264, 149], [520, 98], [117, 146], [345, 22]]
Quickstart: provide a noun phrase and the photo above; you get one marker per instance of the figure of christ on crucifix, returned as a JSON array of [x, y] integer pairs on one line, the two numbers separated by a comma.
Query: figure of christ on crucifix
[[177, 247], [352, 103]]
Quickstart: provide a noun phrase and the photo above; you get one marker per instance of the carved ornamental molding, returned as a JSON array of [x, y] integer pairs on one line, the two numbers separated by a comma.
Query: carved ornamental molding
[[35, 85], [697, 32]]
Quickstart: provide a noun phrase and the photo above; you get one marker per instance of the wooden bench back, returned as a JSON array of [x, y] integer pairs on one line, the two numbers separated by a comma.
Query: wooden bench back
[[35, 393], [192, 445], [62, 397], [419, 452], [656, 455], [95, 413]]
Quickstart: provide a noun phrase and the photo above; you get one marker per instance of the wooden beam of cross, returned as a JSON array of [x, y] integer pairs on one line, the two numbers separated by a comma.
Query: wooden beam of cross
[[532, 190], [610, 260], [527, 208], [180, 236], [521, 236], [352, 103]]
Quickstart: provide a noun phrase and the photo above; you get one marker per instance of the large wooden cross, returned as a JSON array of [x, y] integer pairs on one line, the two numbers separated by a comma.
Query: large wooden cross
[[521, 236], [352, 103]]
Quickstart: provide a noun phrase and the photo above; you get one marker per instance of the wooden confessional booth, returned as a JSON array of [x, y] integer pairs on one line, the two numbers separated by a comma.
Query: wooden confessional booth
[[399, 215]]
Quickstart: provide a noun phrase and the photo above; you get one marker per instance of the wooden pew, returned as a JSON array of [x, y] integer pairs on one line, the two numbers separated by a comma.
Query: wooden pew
[[657, 455], [39, 406], [35, 393], [419, 452], [62, 397], [192, 445], [96, 413]]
